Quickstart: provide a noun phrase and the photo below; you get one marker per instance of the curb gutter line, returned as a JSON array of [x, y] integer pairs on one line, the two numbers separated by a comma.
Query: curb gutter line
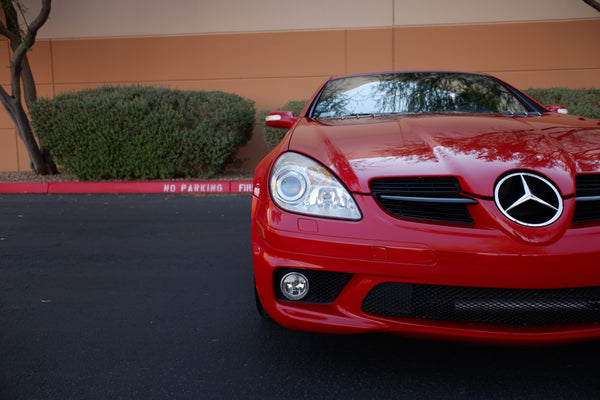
[[167, 187]]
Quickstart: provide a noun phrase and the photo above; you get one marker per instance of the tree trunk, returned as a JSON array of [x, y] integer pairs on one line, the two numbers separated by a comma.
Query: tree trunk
[[40, 161], [12, 24], [20, 43]]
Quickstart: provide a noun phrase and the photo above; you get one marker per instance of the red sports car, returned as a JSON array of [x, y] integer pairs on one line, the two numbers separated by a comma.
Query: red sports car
[[430, 204]]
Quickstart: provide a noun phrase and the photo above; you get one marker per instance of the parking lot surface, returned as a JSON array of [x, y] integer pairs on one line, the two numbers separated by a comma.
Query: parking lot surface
[[150, 297]]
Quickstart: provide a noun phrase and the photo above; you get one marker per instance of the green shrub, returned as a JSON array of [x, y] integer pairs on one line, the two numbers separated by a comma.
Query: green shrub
[[274, 135], [137, 132], [584, 102]]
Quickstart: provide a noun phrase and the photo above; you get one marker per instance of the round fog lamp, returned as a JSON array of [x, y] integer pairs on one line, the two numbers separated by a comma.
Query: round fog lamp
[[294, 286]]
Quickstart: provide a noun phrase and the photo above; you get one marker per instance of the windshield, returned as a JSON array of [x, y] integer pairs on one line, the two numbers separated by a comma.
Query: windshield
[[414, 93]]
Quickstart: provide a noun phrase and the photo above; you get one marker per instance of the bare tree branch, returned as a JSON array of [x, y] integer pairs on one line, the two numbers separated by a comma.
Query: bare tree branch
[[15, 35], [4, 31], [31, 33], [19, 45], [593, 3], [21, 41]]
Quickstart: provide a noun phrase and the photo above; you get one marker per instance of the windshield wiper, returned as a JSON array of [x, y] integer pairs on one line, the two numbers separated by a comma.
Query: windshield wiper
[[519, 114], [374, 115], [356, 116]]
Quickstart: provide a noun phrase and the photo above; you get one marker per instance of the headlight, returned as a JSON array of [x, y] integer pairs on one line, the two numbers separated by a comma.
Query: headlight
[[302, 185]]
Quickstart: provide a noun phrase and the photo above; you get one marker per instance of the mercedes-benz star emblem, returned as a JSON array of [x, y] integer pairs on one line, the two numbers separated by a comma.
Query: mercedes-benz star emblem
[[528, 199]]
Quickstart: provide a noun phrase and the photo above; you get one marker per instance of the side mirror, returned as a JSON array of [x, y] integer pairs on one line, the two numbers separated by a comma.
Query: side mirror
[[281, 119], [557, 109]]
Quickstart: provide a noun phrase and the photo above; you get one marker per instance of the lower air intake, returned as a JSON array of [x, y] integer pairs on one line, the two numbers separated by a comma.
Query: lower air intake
[[514, 307]]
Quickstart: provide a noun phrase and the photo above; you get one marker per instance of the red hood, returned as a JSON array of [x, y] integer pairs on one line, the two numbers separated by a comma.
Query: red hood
[[476, 149]]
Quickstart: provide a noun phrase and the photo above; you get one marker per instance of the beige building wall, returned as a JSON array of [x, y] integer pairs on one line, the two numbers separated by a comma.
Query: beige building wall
[[273, 51], [119, 18]]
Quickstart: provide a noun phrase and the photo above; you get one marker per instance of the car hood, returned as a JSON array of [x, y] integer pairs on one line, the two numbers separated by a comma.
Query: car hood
[[476, 149]]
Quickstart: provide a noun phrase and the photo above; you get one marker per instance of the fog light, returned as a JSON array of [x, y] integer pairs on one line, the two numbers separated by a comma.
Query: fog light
[[294, 286]]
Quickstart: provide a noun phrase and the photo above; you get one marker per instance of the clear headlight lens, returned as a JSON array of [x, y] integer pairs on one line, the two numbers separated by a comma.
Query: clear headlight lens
[[302, 185]]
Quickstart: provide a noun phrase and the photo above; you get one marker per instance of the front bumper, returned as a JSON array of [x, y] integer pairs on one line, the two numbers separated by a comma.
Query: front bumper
[[410, 253]]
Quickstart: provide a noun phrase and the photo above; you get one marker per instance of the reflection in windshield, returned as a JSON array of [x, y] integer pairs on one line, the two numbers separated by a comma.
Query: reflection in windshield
[[414, 93]]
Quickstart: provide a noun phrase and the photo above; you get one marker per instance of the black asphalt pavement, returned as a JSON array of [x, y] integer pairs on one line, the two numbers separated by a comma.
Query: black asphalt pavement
[[150, 297]]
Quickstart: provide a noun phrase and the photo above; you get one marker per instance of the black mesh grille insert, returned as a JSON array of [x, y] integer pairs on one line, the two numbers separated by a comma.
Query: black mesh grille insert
[[586, 211], [324, 286], [515, 307], [588, 186], [423, 198], [417, 187]]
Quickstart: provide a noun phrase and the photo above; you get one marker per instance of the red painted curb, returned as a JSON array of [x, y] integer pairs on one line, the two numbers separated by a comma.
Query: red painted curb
[[171, 187]]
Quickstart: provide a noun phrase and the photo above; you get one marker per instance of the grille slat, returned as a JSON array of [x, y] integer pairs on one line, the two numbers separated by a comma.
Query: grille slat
[[430, 196], [587, 186], [425, 187], [586, 211], [513, 307]]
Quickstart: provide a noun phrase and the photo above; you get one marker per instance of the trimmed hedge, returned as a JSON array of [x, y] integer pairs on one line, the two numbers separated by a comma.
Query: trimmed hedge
[[273, 136], [583, 102], [137, 132]]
